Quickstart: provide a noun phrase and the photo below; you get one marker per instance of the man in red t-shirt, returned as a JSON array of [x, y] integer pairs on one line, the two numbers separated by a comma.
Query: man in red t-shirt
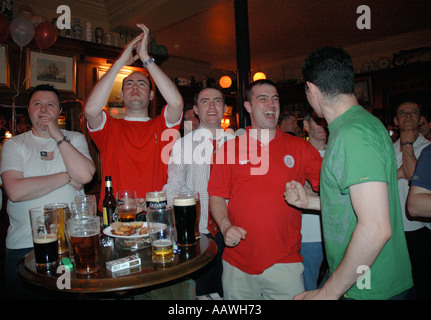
[[261, 231], [135, 150]]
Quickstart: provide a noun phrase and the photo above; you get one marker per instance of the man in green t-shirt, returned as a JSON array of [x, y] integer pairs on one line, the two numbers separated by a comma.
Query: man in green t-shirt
[[361, 214]]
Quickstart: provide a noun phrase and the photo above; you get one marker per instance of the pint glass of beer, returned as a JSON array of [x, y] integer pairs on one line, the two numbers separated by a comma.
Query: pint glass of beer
[[44, 231], [160, 223], [61, 210], [126, 205], [185, 219], [198, 208], [84, 231]]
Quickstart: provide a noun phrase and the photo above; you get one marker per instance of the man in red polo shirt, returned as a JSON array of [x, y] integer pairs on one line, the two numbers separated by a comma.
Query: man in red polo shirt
[[261, 231]]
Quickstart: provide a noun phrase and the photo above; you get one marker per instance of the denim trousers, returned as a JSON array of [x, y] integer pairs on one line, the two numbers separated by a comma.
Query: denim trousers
[[312, 252]]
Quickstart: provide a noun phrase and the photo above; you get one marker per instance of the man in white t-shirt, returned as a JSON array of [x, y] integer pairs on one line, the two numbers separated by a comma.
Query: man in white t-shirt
[[38, 167]]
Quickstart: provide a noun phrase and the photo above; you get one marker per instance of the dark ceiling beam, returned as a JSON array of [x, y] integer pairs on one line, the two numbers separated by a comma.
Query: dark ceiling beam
[[242, 57]]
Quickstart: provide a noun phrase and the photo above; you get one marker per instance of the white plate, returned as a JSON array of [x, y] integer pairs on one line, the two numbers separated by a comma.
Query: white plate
[[108, 232]]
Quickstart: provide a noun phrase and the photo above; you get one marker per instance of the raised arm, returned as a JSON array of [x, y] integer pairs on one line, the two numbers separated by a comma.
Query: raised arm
[[100, 93], [409, 159], [167, 88]]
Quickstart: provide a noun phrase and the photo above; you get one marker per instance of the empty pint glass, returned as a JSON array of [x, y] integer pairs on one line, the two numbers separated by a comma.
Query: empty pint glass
[[90, 199], [84, 231], [44, 231], [160, 223], [61, 210], [185, 219], [155, 198]]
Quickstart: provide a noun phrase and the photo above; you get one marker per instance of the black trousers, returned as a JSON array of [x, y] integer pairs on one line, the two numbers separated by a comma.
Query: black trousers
[[419, 246], [208, 279]]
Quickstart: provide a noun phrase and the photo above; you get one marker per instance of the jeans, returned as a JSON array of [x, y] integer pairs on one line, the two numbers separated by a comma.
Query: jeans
[[312, 252]]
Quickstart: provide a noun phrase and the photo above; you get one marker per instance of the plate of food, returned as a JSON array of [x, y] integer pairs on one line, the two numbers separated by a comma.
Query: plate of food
[[127, 230]]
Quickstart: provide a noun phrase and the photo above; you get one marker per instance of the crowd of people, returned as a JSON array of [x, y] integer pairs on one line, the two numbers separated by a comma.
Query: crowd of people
[[339, 215]]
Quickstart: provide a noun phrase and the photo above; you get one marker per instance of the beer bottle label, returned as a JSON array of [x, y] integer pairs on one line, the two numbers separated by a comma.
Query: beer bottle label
[[105, 217]]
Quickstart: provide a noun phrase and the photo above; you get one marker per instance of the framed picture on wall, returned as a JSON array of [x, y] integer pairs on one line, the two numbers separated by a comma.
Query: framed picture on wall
[[4, 66], [58, 71], [363, 91]]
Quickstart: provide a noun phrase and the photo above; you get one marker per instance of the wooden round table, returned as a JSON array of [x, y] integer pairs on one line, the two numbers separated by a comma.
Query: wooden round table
[[187, 261]]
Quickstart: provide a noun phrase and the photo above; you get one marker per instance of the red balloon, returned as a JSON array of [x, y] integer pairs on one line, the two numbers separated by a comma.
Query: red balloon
[[4, 28], [45, 35]]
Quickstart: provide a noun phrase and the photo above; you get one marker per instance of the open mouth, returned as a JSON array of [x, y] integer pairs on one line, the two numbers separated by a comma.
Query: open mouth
[[269, 114]]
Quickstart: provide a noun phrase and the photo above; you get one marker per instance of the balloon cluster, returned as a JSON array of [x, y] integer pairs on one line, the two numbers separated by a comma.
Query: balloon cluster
[[22, 32]]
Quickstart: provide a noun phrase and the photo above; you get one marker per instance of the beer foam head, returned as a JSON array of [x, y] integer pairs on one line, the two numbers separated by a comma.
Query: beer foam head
[[184, 201], [45, 238]]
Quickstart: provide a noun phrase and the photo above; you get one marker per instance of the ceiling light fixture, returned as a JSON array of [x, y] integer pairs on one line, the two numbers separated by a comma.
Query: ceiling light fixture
[[225, 82], [259, 76]]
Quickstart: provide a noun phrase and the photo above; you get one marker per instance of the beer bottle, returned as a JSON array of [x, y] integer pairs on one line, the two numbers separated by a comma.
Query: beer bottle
[[109, 203]]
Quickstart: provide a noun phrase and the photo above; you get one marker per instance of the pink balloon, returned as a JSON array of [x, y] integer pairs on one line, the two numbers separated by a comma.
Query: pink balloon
[[4, 28], [22, 31]]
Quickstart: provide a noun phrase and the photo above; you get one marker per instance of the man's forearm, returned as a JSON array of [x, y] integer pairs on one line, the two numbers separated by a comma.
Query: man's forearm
[[99, 95], [363, 249], [169, 91], [79, 167], [409, 161], [219, 212], [419, 202], [23, 189]]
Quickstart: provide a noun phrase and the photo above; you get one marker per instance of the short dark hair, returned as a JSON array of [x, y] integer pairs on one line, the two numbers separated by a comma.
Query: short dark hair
[[331, 70], [45, 87], [249, 89], [149, 80], [196, 96]]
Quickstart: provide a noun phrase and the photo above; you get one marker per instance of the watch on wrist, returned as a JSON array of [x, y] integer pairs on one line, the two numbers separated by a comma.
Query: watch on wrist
[[148, 62], [65, 139], [406, 143]]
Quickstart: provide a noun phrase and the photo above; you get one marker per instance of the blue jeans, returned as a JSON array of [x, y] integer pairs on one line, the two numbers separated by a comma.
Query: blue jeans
[[312, 252]]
